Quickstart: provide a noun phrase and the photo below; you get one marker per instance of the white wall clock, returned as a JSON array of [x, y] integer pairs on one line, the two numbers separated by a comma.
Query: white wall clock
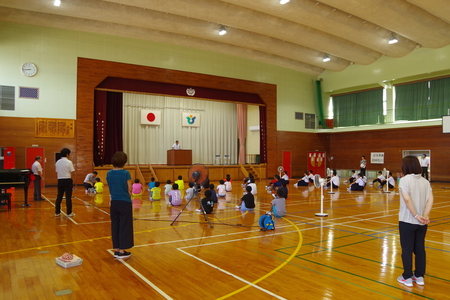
[[29, 69]]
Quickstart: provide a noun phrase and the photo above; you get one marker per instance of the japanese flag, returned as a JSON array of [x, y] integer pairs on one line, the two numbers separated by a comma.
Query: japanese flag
[[151, 117]]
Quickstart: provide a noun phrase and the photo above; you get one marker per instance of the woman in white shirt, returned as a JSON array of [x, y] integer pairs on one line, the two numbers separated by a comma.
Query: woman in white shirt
[[416, 201]]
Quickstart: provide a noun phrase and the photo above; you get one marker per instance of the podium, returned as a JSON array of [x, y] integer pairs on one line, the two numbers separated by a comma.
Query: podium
[[179, 157]]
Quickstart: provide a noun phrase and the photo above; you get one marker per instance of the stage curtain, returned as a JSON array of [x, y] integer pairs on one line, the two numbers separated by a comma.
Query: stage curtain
[[217, 134], [99, 127], [114, 125], [262, 135], [242, 129]]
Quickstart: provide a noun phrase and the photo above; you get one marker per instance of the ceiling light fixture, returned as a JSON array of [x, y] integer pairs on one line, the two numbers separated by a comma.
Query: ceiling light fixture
[[222, 30], [393, 40], [284, 1], [326, 58], [57, 2]]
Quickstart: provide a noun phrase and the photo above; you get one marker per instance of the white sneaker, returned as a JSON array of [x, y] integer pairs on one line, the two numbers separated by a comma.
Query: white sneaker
[[71, 215], [345, 181], [371, 183], [407, 282], [198, 210], [418, 280], [238, 207]]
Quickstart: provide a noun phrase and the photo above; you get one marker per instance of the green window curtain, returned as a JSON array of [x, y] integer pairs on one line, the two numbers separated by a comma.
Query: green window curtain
[[370, 107], [411, 101], [439, 102], [363, 108]]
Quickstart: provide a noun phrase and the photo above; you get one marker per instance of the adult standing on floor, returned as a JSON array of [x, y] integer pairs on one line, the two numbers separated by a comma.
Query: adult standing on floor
[[362, 165], [424, 164], [64, 169], [36, 168], [416, 201]]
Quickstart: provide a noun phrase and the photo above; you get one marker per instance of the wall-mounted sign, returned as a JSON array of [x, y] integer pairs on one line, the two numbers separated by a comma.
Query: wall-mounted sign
[[377, 157]]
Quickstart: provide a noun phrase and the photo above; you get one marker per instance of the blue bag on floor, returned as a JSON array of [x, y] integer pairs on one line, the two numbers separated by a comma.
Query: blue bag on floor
[[266, 222]]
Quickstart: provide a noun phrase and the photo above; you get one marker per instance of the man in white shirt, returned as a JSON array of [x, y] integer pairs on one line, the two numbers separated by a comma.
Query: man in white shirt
[[176, 146], [285, 176], [36, 168], [64, 168], [424, 163]]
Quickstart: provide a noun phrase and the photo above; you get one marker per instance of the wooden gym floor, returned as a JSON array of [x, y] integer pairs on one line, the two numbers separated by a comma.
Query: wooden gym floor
[[354, 253]]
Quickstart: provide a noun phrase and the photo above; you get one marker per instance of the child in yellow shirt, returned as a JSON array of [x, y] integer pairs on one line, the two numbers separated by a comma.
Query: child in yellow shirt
[[155, 193], [98, 186]]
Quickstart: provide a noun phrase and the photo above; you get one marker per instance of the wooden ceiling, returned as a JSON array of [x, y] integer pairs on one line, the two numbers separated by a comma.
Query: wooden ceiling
[[296, 35]]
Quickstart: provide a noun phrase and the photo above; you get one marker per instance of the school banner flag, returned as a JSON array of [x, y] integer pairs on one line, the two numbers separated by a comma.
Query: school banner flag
[[150, 117], [190, 119]]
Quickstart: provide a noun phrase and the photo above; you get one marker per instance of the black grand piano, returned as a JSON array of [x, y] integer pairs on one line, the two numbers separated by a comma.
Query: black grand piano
[[14, 178]]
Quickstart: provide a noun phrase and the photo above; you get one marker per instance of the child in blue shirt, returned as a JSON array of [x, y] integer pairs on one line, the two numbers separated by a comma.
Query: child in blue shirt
[[121, 211]]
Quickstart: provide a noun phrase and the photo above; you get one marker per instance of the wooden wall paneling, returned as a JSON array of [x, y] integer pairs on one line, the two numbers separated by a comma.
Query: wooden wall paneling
[[299, 143], [347, 148], [183, 172], [216, 173], [233, 171], [92, 72], [164, 174], [20, 133]]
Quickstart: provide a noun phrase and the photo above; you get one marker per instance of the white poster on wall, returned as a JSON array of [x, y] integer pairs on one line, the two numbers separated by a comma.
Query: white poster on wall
[[377, 157], [190, 119]]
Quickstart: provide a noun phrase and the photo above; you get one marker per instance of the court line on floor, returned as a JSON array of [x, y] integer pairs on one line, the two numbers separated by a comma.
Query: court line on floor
[[142, 277]]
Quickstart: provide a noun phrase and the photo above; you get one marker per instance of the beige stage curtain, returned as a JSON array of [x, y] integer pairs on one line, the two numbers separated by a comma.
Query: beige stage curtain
[[242, 129], [217, 134]]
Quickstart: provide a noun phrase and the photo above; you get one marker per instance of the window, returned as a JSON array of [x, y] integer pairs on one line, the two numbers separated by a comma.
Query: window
[[422, 100], [7, 97], [361, 108], [310, 121]]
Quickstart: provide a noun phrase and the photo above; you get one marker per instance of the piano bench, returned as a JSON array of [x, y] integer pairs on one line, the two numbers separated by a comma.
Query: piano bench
[[5, 200]]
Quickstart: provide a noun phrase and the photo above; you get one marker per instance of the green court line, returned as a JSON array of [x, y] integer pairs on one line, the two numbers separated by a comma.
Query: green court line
[[394, 287], [379, 262], [331, 276]]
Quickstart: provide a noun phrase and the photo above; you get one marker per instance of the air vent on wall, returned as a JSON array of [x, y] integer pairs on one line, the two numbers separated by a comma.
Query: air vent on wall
[[298, 116], [28, 92]]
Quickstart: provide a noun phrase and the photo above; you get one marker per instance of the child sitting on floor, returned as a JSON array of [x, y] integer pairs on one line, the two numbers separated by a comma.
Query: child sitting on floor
[[175, 196], [155, 192], [98, 186], [247, 202], [207, 203], [136, 188], [168, 187], [279, 205]]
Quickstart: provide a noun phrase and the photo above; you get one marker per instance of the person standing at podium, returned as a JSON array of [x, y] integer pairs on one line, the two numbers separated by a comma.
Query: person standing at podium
[[176, 146]]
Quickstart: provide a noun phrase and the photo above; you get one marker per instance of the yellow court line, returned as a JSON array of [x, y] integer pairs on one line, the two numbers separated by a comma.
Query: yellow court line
[[94, 239], [299, 245]]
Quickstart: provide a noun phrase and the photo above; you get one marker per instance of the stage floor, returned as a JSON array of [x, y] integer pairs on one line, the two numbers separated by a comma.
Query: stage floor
[[354, 253]]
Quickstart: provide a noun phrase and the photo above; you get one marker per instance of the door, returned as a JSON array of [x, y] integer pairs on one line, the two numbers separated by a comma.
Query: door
[[9, 158], [286, 162]]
